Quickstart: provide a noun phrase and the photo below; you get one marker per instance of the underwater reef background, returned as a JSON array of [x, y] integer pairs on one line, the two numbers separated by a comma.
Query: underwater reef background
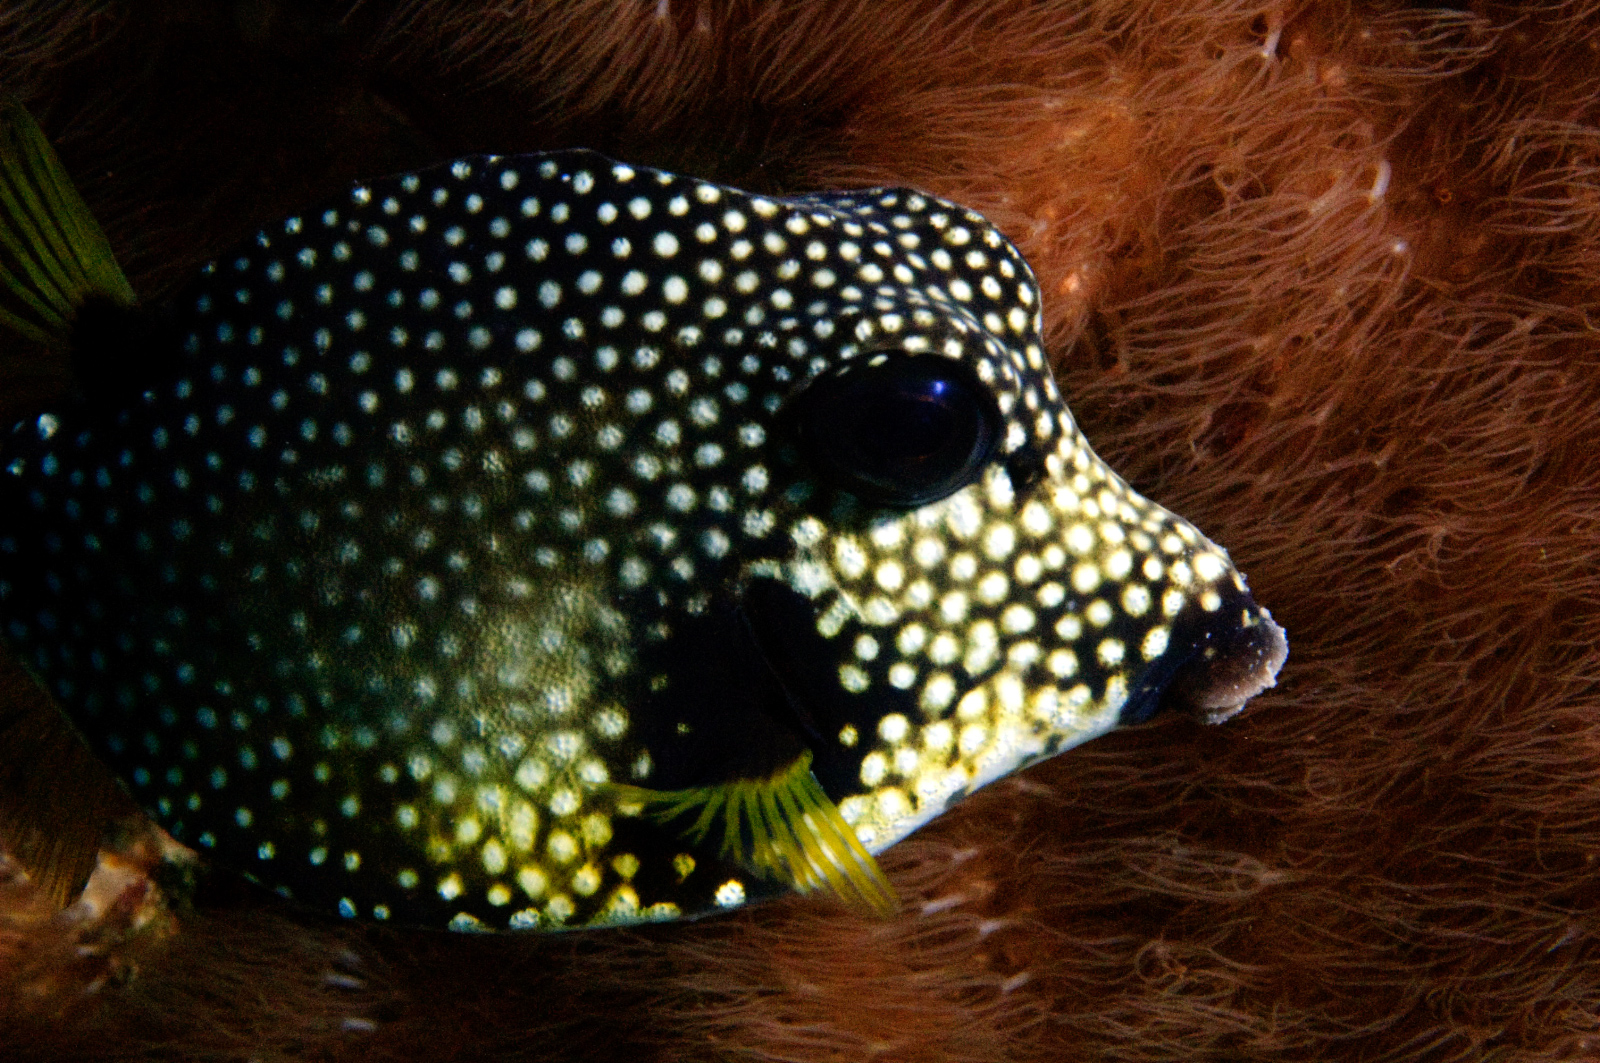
[[1324, 277]]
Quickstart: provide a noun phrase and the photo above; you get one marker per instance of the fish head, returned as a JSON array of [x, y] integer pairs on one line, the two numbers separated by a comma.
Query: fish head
[[967, 587]]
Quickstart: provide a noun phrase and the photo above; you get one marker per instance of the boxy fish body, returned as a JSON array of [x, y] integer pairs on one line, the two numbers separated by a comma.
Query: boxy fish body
[[542, 542]]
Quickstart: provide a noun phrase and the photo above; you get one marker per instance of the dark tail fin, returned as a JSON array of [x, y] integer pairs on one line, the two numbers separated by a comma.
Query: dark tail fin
[[57, 801], [53, 256]]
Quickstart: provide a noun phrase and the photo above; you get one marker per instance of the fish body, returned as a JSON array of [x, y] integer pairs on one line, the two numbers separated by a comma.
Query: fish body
[[542, 542]]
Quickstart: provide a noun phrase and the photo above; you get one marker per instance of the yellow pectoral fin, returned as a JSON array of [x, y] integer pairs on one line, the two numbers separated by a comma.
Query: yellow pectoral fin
[[53, 256], [784, 827]]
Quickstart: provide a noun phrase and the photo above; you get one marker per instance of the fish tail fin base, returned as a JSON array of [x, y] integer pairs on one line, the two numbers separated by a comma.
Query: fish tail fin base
[[783, 826], [53, 256]]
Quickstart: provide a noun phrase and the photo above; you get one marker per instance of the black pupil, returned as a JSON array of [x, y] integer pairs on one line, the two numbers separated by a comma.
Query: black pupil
[[907, 430], [907, 426]]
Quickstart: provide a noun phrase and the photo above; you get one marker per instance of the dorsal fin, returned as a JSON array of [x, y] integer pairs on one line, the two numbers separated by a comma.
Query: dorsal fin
[[53, 256], [784, 827]]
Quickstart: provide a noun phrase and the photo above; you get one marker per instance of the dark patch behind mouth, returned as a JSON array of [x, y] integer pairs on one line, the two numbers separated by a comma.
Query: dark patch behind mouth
[[782, 624], [714, 710]]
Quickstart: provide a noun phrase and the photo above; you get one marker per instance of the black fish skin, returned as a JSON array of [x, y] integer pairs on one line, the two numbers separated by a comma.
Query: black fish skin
[[374, 593]]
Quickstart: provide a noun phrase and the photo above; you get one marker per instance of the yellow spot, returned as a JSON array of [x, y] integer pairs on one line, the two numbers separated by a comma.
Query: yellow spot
[[683, 864], [494, 858], [1110, 652], [866, 648], [1000, 541], [952, 607], [911, 639], [973, 705], [902, 676], [586, 880], [1155, 643], [1119, 564], [498, 895], [963, 567], [1210, 601], [1098, 612], [848, 557], [928, 552], [1035, 519], [532, 774], [450, 887], [893, 727], [1062, 664], [890, 575], [1116, 693], [1085, 578], [880, 610], [945, 648], [1152, 569], [853, 679], [1136, 600], [938, 736], [1008, 694], [849, 736], [993, 587], [1208, 566], [623, 905], [560, 908], [1017, 619], [522, 826], [467, 831], [730, 894], [533, 881], [626, 865], [596, 829], [937, 692], [562, 847], [1172, 603], [1080, 540]]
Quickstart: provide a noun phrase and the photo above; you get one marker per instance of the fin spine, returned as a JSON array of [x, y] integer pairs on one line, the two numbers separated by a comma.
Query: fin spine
[[784, 826]]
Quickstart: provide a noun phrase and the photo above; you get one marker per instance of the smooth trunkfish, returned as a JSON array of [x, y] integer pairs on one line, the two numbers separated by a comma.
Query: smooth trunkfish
[[541, 542]]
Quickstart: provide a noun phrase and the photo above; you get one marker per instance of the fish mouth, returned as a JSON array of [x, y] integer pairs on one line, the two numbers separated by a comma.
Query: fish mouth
[[1230, 669]]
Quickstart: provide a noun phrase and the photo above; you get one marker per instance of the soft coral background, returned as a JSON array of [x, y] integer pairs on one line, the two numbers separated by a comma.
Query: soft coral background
[[1320, 276]]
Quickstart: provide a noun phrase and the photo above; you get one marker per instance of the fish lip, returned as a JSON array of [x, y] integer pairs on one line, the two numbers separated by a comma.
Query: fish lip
[[1215, 685]]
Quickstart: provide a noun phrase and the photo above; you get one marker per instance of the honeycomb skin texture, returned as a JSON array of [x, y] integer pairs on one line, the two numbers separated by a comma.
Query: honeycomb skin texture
[[1315, 279]]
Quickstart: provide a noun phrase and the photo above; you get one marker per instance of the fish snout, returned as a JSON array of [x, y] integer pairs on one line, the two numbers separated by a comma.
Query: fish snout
[[1232, 664]]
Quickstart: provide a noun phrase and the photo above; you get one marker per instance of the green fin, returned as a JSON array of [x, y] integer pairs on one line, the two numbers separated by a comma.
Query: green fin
[[782, 826], [53, 256]]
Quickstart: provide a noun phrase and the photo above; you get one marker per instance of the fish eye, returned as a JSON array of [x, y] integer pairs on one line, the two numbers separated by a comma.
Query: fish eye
[[897, 429]]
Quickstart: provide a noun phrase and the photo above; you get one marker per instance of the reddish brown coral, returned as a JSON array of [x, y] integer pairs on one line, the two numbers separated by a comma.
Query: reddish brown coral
[[1322, 277]]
